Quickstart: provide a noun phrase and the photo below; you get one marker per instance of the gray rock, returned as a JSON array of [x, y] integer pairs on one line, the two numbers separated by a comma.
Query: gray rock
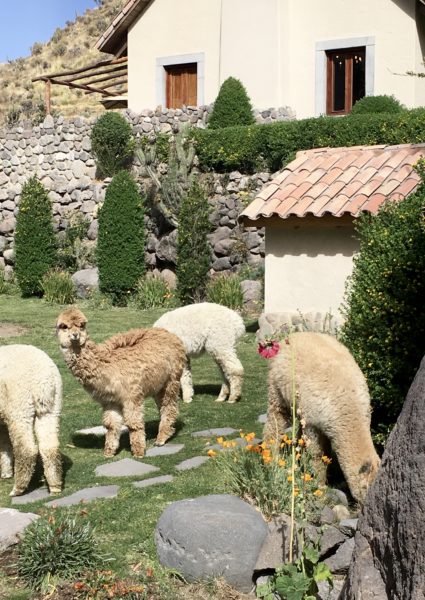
[[219, 431], [252, 291], [224, 539], [98, 431], [221, 264], [7, 225], [127, 467], [153, 481], [348, 526], [9, 256], [337, 496], [389, 557], [275, 548], [12, 525], [86, 495], [166, 249], [262, 418], [327, 516], [340, 561], [86, 281], [330, 540], [191, 463], [39, 494], [164, 450]]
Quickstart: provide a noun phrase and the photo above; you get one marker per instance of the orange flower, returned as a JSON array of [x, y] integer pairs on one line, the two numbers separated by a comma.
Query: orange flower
[[250, 436], [298, 456], [249, 447], [264, 445], [288, 442], [307, 477], [212, 453], [326, 460], [282, 462], [318, 493], [220, 440], [289, 478], [301, 442], [267, 459]]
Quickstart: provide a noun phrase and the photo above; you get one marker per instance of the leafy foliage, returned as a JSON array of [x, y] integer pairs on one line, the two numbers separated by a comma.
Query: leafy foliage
[[193, 249], [225, 290], [58, 287], [232, 106], [257, 147], [56, 545], [112, 143], [377, 104], [73, 253], [121, 239], [384, 309], [35, 243], [152, 292]]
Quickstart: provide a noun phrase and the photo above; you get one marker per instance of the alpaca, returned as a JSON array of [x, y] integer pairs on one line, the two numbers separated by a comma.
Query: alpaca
[[123, 370], [333, 399], [30, 402], [211, 328]]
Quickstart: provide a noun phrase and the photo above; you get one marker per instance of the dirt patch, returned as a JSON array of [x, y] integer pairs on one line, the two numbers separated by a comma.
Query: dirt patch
[[8, 330]]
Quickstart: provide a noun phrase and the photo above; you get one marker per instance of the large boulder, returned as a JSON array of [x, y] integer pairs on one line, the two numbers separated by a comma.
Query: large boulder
[[86, 281], [12, 525], [389, 555], [211, 536]]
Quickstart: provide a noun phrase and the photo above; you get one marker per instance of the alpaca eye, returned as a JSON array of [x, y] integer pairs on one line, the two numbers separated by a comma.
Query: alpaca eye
[[82, 326], [63, 326]]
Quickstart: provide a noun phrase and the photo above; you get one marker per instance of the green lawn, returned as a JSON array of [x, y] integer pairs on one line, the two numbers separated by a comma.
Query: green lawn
[[125, 525]]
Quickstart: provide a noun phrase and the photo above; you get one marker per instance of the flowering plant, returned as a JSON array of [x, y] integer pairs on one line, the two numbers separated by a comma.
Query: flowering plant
[[268, 348]]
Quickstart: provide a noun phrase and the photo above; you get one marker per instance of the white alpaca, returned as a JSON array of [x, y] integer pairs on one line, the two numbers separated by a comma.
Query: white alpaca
[[211, 328], [30, 402], [333, 398]]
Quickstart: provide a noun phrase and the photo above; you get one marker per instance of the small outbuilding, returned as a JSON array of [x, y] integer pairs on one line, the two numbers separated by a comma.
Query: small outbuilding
[[308, 211]]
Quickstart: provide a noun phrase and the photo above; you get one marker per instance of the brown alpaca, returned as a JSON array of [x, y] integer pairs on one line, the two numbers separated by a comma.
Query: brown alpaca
[[121, 372], [332, 398]]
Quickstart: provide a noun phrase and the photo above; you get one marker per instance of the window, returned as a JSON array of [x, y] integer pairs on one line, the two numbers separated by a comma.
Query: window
[[181, 85], [345, 79]]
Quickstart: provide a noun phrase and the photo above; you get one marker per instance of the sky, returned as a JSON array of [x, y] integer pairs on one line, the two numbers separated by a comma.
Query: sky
[[23, 22]]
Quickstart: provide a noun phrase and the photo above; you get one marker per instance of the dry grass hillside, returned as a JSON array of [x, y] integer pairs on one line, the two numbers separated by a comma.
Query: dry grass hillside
[[69, 48]]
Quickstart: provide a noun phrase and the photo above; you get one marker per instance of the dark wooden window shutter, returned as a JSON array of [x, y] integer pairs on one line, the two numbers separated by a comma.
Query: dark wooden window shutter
[[181, 85]]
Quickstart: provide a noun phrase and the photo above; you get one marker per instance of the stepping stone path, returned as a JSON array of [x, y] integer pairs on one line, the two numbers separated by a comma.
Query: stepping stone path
[[214, 432], [39, 494], [153, 481], [191, 463], [164, 450], [127, 467], [98, 431], [12, 524], [262, 418], [86, 495]]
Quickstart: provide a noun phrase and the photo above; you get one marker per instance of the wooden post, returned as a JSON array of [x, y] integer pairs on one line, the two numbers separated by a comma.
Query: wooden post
[[47, 97]]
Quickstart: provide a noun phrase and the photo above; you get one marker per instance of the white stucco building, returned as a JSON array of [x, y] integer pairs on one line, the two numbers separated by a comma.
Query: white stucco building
[[315, 56]]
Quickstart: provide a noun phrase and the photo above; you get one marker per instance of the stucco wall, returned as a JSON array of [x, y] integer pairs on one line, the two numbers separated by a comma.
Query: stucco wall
[[307, 264]]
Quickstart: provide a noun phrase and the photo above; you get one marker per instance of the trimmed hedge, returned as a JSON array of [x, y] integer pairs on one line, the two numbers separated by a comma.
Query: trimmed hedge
[[232, 106], [377, 104], [258, 147], [112, 143]]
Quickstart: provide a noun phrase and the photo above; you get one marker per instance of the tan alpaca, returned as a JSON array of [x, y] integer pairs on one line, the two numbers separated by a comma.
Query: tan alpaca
[[121, 372], [30, 405], [332, 397]]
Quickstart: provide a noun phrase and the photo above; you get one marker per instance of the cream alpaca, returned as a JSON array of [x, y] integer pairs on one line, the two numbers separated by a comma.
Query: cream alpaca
[[121, 372], [211, 328], [332, 397], [30, 403]]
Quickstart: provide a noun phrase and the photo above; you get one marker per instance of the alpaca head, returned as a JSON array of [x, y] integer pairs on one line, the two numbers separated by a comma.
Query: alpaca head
[[71, 329]]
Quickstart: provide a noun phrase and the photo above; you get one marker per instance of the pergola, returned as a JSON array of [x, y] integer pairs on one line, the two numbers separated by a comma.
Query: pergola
[[111, 74]]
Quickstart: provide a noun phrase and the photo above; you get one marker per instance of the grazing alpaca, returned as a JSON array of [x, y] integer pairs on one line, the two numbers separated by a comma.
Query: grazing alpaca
[[123, 370], [30, 403], [211, 328], [332, 397]]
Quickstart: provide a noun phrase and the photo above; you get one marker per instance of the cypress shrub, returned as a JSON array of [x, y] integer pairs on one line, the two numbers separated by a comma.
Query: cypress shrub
[[377, 104], [112, 143], [193, 249], [232, 106], [35, 243], [121, 239], [384, 308]]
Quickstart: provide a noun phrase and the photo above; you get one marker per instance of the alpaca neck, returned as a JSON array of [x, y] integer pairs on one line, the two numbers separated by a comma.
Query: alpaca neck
[[84, 362]]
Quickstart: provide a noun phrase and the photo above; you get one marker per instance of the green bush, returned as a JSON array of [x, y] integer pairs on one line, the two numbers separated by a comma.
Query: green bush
[[272, 146], [35, 243], [58, 287], [112, 143], [377, 104], [385, 309], [121, 239], [56, 546], [74, 253], [232, 106], [193, 248], [152, 292], [225, 289]]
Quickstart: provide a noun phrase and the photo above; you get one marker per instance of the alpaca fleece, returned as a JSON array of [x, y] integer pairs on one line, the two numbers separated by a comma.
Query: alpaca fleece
[[30, 405], [121, 372], [211, 328], [333, 399]]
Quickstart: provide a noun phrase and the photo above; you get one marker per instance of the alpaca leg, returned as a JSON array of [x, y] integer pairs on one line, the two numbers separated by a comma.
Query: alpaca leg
[[6, 454], [167, 404], [186, 383], [25, 452], [112, 421], [134, 419], [46, 430], [232, 370], [318, 446], [278, 415]]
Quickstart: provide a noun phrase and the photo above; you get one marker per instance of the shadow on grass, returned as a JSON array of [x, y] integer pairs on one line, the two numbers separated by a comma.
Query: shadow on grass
[[207, 389], [38, 480]]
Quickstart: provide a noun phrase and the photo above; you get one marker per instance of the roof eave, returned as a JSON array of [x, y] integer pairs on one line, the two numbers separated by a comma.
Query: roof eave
[[116, 34]]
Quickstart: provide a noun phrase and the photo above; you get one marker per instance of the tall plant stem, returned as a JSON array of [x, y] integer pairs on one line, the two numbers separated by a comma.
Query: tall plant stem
[[294, 431]]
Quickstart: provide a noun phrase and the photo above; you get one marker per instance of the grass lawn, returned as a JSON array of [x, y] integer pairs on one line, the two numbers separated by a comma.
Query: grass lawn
[[125, 525]]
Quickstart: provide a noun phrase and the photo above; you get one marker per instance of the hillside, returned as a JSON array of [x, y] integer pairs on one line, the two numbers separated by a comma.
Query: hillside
[[69, 48]]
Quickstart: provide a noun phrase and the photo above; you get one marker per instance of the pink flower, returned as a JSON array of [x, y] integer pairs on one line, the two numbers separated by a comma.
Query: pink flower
[[268, 348]]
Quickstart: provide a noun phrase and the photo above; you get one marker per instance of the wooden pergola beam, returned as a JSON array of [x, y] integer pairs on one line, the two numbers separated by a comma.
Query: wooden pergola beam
[[82, 87], [82, 70]]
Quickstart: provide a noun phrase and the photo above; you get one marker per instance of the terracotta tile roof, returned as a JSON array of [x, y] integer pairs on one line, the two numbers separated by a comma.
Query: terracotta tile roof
[[338, 181]]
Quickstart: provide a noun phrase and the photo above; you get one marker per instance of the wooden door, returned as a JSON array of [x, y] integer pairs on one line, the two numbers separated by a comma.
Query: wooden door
[[181, 85]]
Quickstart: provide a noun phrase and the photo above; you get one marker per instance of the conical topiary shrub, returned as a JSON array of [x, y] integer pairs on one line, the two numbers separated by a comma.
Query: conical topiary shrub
[[121, 240], [232, 106], [35, 243]]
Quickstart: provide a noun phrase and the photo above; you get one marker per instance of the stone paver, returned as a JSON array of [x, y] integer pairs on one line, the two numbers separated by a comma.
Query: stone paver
[[212, 432], [191, 463], [39, 494], [164, 450], [127, 467], [98, 431], [262, 418], [12, 524], [86, 495], [153, 481]]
